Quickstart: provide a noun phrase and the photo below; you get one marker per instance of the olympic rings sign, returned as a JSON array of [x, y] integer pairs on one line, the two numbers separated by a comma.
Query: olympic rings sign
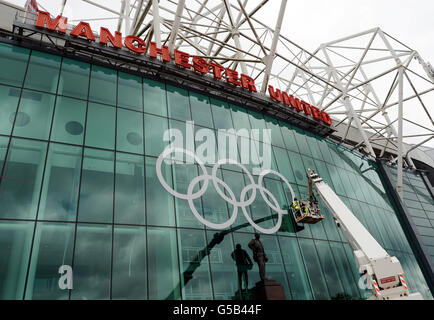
[[217, 182]]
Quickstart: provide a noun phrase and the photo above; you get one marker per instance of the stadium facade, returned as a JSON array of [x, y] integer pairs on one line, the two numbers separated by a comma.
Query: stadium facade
[[82, 130]]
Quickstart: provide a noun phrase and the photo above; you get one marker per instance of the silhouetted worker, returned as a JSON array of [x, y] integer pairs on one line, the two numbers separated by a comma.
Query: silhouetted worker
[[243, 263], [259, 255]]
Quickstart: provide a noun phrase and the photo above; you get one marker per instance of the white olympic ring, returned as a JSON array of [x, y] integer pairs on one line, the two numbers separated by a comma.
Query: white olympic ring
[[242, 203]]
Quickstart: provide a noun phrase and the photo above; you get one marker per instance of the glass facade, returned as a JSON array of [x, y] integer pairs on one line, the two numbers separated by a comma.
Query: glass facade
[[78, 151]]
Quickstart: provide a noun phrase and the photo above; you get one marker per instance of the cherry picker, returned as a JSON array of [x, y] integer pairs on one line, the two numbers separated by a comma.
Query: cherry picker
[[383, 272]]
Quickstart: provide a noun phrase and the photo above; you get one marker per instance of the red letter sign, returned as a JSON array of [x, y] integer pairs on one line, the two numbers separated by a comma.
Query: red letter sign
[[181, 59], [248, 83], [83, 30], [275, 95], [141, 45], [105, 36], [200, 65], [164, 51], [44, 19]]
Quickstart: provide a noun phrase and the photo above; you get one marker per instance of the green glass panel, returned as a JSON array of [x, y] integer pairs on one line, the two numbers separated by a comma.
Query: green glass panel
[[8, 107], [154, 94], [331, 272], [22, 178], [295, 269], [178, 103], [195, 273], [315, 273], [235, 181], [163, 271], [224, 268], [241, 120], [274, 268], [221, 114], [155, 130], [13, 64], [3, 149], [96, 193], [183, 174], [15, 243], [61, 183], [300, 137], [261, 133], [298, 168], [243, 239], [283, 164], [276, 135], [74, 79], [201, 110], [130, 189], [129, 263], [159, 203], [52, 248], [365, 293], [100, 127], [129, 131], [324, 147], [103, 85], [344, 270], [33, 119], [130, 91], [68, 123], [288, 137], [92, 262], [313, 145], [43, 72]]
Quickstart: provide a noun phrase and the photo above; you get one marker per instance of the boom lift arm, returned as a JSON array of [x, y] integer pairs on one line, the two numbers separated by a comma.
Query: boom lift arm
[[384, 272]]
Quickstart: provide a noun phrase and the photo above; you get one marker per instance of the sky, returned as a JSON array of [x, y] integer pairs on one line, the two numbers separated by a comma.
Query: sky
[[312, 22]]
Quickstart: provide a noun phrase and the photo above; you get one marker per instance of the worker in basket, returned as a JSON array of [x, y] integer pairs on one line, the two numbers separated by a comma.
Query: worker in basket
[[296, 205], [305, 208]]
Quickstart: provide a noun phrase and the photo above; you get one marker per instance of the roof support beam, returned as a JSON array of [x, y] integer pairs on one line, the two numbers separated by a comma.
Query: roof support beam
[[175, 26], [268, 59]]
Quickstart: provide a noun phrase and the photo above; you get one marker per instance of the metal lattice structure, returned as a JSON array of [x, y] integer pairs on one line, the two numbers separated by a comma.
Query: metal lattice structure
[[370, 83]]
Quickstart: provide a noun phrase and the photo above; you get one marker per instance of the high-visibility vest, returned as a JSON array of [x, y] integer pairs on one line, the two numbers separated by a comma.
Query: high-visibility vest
[[296, 205], [306, 209]]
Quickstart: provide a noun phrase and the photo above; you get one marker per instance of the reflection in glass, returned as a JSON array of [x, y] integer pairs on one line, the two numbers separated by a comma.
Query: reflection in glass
[[155, 127], [13, 64], [178, 103], [103, 85], [331, 273], [195, 277], [164, 282], [129, 263], [221, 114], [68, 124], [74, 79], [100, 127], [130, 91], [223, 267], [159, 203], [315, 272], [92, 262], [129, 131], [295, 269], [96, 194], [200, 109], [130, 189], [61, 183], [8, 107], [22, 178], [15, 243], [34, 115], [43, 72], [154, 94], [3, 149], [53, 247]]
